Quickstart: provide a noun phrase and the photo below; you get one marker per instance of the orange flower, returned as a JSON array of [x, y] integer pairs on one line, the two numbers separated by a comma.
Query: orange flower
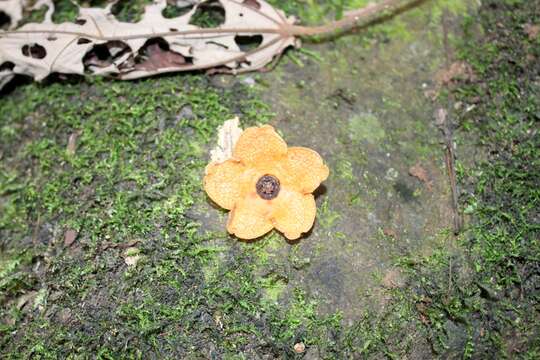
[[266, 185]]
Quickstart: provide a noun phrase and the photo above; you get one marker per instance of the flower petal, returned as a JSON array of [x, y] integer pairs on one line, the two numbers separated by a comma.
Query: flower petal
[[225, 182], [250, 218], [305, 169], [259, 144], [293, 213]]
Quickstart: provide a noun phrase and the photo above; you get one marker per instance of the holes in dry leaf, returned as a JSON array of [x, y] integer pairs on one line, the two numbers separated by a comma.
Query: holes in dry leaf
[[160, 42], [83, 41], [244, 63], [248, 43], [103, 55], [64, 11], [129, 11], [209, 14], [96, 3], [8, 65], [156, 54], [34, 15], [5, 20], [254, 4], [172, 11], [34, 51]]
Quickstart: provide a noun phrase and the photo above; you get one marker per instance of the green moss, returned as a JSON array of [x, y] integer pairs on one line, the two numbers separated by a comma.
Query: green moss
[[366, 127], [501, 244], [134, 178], [326, 216], [14, 277], [273, 288]]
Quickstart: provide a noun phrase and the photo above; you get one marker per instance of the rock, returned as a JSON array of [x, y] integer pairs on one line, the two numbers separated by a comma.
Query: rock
[[185, 113], [312, 354], [249, 81]]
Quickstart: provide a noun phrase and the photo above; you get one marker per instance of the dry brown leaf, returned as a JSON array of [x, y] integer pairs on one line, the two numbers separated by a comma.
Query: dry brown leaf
[[421, 174], [532, 31], [98, 43], [251, 34], [69, 237], [393, 279], [459, 70], [390, 233]]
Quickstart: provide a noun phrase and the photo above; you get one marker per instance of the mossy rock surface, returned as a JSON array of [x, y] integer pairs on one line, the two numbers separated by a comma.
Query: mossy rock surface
[[109, 247]]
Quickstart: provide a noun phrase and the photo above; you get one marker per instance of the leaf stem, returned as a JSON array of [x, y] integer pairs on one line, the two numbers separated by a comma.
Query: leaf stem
[[356, 18]]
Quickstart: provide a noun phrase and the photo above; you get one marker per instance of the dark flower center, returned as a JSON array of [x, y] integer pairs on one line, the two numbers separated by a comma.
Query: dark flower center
[[268, 187]]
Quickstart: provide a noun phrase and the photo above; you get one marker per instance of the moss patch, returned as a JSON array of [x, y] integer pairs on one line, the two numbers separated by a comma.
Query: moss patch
[[366, 127]]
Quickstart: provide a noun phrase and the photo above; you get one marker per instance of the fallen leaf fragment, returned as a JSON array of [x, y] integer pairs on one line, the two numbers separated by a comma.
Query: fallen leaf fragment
[[422, 307], [393, 279], [228, 135], [421, 174], [390, 233], [132, 256], [532, 31], [69, 237], [299, 347], [459, 70], [98, 43]]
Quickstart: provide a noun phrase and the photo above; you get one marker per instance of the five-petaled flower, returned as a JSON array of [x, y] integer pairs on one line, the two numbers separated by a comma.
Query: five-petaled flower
[[266, 185]]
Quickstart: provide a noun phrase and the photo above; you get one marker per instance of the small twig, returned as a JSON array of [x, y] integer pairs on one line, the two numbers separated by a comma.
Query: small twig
[[450, 166], [109, 245], [449, 277], [446, 128], [36, 230], [357, 18]]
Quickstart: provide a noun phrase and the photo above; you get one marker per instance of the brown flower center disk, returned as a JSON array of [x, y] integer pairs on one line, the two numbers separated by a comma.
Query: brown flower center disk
[[268, 187]]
